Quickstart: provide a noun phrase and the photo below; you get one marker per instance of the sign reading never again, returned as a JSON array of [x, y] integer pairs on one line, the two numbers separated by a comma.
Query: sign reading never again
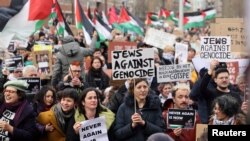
[[134, 63]]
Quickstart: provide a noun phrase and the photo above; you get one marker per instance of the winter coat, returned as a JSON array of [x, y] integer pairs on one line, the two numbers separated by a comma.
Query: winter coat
[[57, 134], [25, 128], [69, 52], [151, 114]]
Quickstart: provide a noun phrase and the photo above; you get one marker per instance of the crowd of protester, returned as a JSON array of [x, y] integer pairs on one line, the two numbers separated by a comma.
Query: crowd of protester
[[134, 109]]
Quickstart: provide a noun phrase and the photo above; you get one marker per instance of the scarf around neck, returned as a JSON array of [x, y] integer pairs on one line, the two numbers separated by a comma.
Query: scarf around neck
[[61, 116], [230, 121]]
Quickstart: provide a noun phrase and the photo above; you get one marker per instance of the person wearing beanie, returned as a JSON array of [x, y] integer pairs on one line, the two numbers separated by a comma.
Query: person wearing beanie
[[17, 120]]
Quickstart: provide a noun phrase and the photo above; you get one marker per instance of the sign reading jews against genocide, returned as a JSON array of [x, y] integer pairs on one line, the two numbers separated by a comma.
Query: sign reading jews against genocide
[[159, 38], [215, 47], [120, 46], [94, 130], [179, 118], [170, 73], [34, 84], [14, 62], [133, 63]]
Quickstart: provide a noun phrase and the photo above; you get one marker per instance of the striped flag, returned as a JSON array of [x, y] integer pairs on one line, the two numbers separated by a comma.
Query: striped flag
[[82, 22], [56, 16], [30, 16], [209, 13]]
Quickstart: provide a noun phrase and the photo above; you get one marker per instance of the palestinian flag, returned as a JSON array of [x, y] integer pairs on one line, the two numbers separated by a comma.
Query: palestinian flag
[[190, 20], [127, 23], [56, 17], [22, 19], [103, 30], [136, 20], [163, 14], [152, 19], [187, 5], [82, 22], [209, 13], [113, 18], [194, 19]]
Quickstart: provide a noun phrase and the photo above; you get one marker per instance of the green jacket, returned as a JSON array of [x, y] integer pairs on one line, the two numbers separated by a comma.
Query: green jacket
[[109, 116]]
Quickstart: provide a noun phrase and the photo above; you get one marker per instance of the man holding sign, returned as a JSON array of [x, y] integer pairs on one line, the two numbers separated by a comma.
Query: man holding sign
[[179, 112]]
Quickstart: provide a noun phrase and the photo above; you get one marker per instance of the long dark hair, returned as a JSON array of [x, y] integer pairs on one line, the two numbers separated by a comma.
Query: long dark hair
[[39, 97], [82, 98]]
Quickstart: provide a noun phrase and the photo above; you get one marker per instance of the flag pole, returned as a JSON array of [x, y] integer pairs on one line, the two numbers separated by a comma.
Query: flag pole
[[180, 24]]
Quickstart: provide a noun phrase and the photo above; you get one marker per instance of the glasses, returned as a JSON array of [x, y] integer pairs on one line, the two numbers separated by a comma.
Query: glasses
[[76, 71], [17, 71], [9, 91]]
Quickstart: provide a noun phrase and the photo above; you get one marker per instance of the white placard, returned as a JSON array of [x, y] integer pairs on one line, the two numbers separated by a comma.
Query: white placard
[[171, 73], [94, 130], [200, 63], [158, 38], [132, 63], [181, 53], [215, 47]]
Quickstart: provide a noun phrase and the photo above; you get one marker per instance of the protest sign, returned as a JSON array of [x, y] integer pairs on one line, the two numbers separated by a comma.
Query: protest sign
[[120, 46], [42, 47], [233, 68], [133, 63], [181, 53], [170, 73], [94, 130], [233, 27], [14, 63], [200, 63], [34, 84], [201, 132], [179, 118], [42, 59], [215, 47], [158, 38]]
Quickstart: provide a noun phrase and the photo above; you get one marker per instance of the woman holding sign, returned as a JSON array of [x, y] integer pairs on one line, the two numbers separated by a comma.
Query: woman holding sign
[[89, 108], [146, 120]]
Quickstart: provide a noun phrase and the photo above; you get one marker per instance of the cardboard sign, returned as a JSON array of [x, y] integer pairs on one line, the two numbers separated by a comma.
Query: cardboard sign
[[215, 47], [171, 73], [233, 68], [178, 118], [201, 132], [120, 46], [94, 130], [133, 63], [34, 84], [14, 62], [43, 61], [158, 38], [233, 27]]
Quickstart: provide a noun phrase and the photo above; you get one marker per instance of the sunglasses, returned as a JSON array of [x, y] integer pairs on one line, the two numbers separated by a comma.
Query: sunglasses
[[9, 91]]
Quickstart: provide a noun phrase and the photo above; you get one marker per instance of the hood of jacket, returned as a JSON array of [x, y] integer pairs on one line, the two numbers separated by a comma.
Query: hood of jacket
[[70, 47]]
